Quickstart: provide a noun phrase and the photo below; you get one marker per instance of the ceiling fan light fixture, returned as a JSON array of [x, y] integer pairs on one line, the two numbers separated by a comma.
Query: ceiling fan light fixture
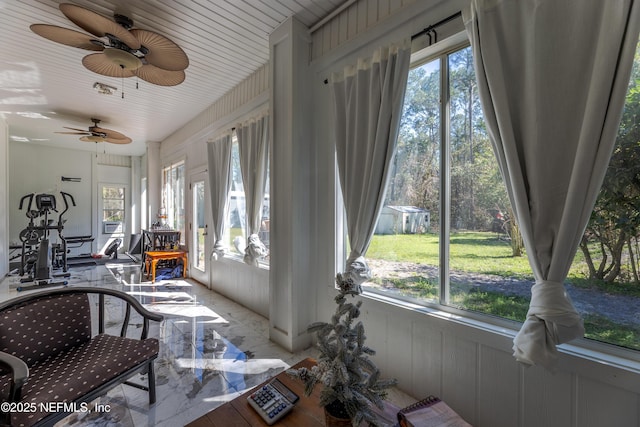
[[104, 89], [123, 59]]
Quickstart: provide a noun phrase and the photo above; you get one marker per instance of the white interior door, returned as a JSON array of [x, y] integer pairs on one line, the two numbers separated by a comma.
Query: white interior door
[[198, 228]]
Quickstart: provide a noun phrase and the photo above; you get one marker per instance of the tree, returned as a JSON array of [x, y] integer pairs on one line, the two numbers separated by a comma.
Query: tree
[[615, 221], [416, 168], [476, 186]]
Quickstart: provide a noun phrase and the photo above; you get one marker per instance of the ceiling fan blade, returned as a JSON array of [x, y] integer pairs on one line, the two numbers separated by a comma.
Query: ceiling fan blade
[[98, 134], [126, 140], [97, 24], [92, 139], [163, 53], [74, 133], [99, 63], [67, 37], [158, 76], [108, 133]]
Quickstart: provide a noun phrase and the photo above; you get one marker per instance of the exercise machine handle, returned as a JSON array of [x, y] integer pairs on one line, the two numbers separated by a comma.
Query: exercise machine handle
[[30, 196], [66, 204], [65, 195]]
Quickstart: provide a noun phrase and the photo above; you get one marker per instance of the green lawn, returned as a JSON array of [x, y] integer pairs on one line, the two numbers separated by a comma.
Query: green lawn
[[476, 252], [473, 252], [485, 253]]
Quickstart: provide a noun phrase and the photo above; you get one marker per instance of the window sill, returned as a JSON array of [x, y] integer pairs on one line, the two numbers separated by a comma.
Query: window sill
[[583, 348], [239, 258]]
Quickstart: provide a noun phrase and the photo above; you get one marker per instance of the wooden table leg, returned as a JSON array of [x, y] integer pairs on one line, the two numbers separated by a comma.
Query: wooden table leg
[[154, 262], [184, 266]]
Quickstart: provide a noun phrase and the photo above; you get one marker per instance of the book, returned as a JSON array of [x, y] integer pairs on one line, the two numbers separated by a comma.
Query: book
[[430, 412], [387, 416]]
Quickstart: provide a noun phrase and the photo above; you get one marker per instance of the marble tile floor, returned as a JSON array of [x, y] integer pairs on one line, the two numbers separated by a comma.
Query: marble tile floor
[[211, 349]]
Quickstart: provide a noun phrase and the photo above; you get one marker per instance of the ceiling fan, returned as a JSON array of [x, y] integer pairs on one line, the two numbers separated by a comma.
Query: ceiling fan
[[98, 134], [122, 51]]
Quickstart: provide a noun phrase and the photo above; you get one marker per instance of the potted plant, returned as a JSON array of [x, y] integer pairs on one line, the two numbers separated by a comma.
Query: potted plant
[[351, 382]]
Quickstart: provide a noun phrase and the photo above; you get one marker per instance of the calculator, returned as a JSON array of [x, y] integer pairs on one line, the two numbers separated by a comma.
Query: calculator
[[272, 401]]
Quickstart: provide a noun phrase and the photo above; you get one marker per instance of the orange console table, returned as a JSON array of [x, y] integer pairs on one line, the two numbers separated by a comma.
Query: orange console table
[[151, 259]]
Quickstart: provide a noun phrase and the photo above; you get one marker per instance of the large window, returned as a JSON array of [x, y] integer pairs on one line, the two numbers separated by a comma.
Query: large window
[[236, 227], [113, 209], [113, 203], [173, 183], [446, 233], [236, 219]]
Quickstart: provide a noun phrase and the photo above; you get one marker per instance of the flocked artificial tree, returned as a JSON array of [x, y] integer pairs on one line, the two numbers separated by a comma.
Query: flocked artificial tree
[[351, 381]]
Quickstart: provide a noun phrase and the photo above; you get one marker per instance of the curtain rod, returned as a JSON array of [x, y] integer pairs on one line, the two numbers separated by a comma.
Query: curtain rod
[[432, 28]]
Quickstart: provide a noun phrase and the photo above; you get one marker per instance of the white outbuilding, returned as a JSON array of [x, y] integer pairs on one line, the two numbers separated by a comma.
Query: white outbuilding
[[403, 220]]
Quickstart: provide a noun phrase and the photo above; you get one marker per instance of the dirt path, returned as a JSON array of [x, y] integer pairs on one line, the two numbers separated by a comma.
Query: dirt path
[[618, 308]]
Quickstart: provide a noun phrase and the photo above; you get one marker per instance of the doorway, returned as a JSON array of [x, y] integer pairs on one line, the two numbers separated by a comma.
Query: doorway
[[198, 228], [113, 221]]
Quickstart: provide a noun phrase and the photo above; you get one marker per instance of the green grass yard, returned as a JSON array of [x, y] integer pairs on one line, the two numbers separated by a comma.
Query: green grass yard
[[473, 252], [486, 253]]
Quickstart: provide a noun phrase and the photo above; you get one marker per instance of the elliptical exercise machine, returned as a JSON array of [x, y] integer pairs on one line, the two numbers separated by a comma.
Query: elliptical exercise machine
[[38, 255]]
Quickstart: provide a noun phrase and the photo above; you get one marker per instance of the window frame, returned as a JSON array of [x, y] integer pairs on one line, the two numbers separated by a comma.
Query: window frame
[[178, 197], [590, 349], [439, 51], [120, 229], [232, 254]]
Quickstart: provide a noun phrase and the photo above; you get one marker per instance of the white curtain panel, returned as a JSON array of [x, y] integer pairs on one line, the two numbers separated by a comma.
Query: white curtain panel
[[368, 105], [219, 167], [253, 144], [552, 77]]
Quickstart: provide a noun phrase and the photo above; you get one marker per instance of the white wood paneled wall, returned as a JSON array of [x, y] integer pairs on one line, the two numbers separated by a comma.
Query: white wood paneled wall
[[114, 160], [245, 284], [472, 368], [353, 22], [206, 123]]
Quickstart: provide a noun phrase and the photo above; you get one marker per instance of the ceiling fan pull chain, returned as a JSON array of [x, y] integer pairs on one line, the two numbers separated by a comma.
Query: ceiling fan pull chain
[[123, 88]]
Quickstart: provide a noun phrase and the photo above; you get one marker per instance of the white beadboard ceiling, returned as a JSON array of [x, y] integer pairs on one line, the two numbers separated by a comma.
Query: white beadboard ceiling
[[44, 86]]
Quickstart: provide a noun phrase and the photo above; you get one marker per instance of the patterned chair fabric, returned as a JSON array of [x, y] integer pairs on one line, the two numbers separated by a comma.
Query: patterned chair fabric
[[52, 335], [72, 374], [45, 327]]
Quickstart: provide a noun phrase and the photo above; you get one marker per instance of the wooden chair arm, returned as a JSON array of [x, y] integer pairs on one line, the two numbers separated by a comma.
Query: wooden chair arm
[[131, 302]]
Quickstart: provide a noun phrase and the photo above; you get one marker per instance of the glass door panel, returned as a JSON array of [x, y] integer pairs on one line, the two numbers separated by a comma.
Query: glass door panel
[[199, 229], [199, 226]]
